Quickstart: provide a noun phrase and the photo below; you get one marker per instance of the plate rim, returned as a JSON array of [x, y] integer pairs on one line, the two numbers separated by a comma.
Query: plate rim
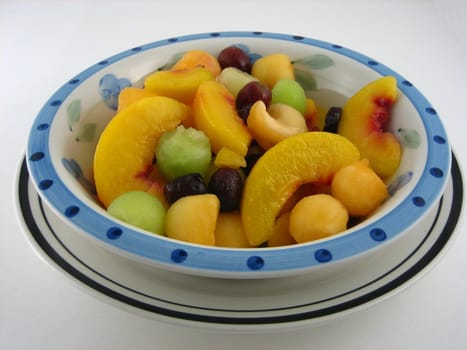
[[427, 261]]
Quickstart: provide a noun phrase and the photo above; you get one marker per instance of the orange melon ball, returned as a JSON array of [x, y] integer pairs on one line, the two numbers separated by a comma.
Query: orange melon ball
[[359, 188], [317, 216]]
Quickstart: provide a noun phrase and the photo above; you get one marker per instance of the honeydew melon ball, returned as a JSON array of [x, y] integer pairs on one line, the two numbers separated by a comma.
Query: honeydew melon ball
[[140, 209], [183, 151], [289, 92]]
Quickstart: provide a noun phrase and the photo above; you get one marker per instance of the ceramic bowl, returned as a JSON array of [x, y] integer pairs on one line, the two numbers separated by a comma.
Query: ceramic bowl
[[65, 132]]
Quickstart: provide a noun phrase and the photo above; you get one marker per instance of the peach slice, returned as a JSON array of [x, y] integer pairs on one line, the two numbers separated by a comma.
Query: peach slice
[[130, 95], [193, 219], [272, 68], [268, 127], [363, 121], [214, 113], [178, 84], [307, 157], [125, 150], [198, 58]]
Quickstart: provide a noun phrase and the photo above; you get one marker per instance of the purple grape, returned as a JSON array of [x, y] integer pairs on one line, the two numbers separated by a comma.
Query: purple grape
[[233, 56], [249, 94], [227, 185], [332, 119], [185, 185]]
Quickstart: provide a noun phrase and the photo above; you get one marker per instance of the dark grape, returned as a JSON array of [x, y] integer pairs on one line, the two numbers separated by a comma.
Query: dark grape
[[185, 185], [332, 119], [254, 153], [234, 56], [249, 94], [227, 185]]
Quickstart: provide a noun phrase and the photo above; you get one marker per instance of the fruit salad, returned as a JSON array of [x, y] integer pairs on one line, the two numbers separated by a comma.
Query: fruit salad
[[224, 151]]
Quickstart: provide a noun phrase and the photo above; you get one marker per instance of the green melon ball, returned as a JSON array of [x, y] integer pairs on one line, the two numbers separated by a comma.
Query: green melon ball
[[183, 151], [140, 209], [289, 92]]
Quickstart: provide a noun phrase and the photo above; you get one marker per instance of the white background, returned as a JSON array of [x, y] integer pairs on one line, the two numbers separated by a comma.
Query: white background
[[44, 43]]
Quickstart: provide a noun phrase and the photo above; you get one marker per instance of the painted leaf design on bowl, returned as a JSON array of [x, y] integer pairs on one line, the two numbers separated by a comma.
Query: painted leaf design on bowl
[[86, 133], [304, 69], [73, 113], [399, 182], [305, 78], [74, 169], [410, 138], [317, 61], [110, 87]]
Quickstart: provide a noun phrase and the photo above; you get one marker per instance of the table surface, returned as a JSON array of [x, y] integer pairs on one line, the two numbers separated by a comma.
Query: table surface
[[44, 43]]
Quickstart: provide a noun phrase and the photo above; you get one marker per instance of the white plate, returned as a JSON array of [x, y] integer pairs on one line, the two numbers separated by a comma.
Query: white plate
[[232, 304]]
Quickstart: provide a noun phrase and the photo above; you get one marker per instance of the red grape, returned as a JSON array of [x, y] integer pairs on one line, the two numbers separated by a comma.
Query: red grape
[[249, 94], [233, 56]]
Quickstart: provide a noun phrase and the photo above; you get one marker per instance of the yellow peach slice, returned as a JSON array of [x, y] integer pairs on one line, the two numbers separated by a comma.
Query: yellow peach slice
[[125, 150], [271, 68], [268, 127], [307, 157], [214, 113], [198, 58], [230, 232], [132, 94], [363, 121], [178, 84], [193, 219]]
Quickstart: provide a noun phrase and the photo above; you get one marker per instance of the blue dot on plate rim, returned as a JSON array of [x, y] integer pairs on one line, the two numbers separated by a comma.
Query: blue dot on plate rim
[[178, 255], [37, 156], [418, 201], [71, 211], [255, 262], [114, 233], [45, 184], [378, 234], [323, 255]]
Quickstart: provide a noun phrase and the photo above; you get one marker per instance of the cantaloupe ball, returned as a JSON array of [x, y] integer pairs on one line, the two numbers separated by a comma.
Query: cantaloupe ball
[[193, 219], [359, 188], [317, 216], [229, 231]]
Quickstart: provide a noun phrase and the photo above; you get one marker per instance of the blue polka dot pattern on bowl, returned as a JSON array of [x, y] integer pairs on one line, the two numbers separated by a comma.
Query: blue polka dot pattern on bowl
[[233, 262]]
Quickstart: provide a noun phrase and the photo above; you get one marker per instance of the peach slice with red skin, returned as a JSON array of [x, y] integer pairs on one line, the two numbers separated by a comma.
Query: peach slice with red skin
[[215, 114], [198, 58], [123, 160], [307, 157], [363, 121]]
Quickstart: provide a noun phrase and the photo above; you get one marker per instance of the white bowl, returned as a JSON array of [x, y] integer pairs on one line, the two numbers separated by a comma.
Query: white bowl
[[65, 132]]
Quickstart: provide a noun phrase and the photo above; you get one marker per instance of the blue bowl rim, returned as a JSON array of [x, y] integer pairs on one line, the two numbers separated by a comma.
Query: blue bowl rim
[[205, 260]]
